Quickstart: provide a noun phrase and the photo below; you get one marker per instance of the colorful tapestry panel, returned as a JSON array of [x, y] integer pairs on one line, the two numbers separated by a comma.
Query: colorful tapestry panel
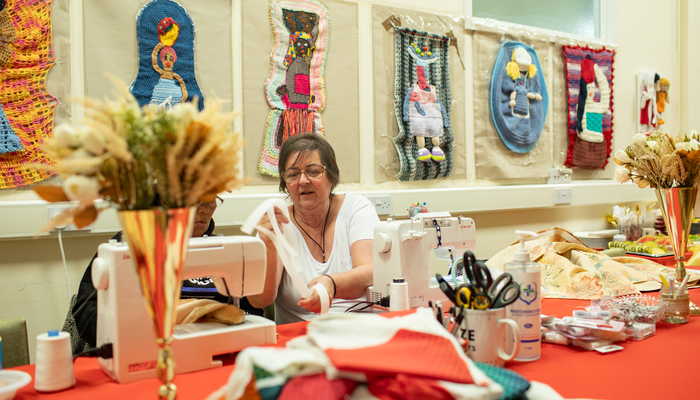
[[589, 75], [295, 87], [165, 35], [422, 101], [519, 97], [26, 108]]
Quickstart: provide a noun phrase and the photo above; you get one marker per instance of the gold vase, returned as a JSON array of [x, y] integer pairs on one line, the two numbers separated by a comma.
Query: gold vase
[[158, 240], [677, 208]]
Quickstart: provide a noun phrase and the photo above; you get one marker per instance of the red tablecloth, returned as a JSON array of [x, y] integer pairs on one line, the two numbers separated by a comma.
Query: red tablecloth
[[659, 367]]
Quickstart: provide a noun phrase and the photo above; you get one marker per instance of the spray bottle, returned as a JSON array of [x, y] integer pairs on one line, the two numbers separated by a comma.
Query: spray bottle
[[525, 311]]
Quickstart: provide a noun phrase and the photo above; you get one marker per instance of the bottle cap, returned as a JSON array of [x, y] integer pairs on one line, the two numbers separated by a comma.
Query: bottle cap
[[521, 253]]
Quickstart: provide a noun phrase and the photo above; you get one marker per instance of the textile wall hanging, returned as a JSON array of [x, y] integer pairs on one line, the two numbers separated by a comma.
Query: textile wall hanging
[[165, 35], [295, 87], [519, 97], [423, 102], [589, 75], [26, 108]]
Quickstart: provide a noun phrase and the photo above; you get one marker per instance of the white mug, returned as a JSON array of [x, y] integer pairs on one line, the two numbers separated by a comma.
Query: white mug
[[485, 332]]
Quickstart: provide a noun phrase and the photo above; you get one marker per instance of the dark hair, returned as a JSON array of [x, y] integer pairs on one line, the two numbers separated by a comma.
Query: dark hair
[[306, 144]]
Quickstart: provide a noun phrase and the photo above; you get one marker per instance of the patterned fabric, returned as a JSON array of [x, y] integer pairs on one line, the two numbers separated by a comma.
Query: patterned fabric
[[165, 35], [570, 270], [589, 75], [295, 88], [414, 75], [26, 55], [519, 120]]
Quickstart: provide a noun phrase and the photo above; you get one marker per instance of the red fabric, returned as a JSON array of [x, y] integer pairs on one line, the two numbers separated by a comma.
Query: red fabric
[[403, 387], [290, 105], [568, 370], [587, 72], [301, 84], [422, 83], [430, 356], [318, 387]]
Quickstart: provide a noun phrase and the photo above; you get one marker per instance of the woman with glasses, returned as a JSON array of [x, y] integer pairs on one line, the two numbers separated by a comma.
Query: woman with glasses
[[333, 232]]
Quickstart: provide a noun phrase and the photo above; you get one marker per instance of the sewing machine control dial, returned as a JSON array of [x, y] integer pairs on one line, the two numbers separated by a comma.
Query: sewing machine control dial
[[382, 242], [100, 273]]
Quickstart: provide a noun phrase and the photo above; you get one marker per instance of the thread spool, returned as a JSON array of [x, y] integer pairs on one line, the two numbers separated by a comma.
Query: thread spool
[[54, 362], [398, 295]]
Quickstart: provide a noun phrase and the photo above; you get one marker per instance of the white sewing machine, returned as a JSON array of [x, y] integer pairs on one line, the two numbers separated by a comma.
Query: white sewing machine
[[402, 250], [123, 320]]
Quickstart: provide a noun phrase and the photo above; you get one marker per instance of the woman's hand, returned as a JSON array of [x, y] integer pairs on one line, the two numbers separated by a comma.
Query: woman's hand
[[313, 303], [267, 224]]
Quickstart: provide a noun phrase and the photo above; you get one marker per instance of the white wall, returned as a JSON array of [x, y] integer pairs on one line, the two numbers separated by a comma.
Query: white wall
[[33, 286]]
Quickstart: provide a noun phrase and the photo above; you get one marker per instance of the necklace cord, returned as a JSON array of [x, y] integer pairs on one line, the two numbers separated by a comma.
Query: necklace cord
[[323, 235]]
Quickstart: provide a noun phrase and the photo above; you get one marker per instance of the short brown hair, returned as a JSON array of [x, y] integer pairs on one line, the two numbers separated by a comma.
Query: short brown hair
[[306, 144]]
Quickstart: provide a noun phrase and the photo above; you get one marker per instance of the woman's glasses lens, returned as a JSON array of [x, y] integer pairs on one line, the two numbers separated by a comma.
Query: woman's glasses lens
[[293, 175]]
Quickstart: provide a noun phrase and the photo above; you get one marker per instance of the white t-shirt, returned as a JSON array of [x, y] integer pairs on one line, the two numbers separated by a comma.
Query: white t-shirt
[[355, 221]]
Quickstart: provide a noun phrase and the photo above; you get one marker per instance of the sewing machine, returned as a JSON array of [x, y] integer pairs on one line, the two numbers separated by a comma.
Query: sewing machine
[[402, 250], [123, 319]]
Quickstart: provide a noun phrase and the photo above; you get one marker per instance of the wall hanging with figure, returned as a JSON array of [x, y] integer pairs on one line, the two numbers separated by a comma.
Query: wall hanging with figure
[[26, 108], [662, 98], [519, 97], [165, 35], [422, 100], [589, 75], [295, 87], [649, 112]]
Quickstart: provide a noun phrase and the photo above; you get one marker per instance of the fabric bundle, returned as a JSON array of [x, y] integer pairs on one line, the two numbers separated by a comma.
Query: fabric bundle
[[362, 356]]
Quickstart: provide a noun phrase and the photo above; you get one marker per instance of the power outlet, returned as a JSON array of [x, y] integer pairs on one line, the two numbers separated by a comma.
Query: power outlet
[[55, 210], [381, 203], [562, 196]]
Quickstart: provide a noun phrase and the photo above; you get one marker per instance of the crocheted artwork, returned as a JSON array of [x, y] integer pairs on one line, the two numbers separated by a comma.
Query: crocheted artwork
[[295, 87], [165, 35], [26, 108], [518, 97], [589, 75], [422, 102]]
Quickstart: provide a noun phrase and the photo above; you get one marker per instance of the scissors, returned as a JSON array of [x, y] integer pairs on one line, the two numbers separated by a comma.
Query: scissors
[[477, 273], [507, 294]]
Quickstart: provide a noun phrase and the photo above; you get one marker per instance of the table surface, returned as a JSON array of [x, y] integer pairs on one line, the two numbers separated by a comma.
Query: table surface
[[573, 372]]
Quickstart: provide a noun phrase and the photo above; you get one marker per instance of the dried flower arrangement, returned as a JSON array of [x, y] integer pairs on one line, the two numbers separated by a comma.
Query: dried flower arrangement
[[660, 160], [133, 156]]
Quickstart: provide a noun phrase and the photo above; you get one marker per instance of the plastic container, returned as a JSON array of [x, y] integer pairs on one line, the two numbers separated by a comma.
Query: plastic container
[[525, 311]]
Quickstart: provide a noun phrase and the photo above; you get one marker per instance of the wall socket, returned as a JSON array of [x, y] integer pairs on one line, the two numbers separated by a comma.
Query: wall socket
[[562, 196], [55, 210], [381, 203]]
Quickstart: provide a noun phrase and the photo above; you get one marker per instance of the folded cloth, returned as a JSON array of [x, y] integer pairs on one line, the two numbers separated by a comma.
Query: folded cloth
[[203, 310], [570, 270], [408, 357]]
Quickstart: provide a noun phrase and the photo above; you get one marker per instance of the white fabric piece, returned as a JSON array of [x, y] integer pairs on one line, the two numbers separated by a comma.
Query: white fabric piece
[[355, 221], [323, 296], [285, 251]]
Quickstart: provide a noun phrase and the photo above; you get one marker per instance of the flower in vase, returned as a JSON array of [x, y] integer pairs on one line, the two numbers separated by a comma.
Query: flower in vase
[[661, 161], [134, 157]]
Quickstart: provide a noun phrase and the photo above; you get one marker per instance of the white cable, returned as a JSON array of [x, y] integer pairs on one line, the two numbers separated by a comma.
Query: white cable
[[65, 266]]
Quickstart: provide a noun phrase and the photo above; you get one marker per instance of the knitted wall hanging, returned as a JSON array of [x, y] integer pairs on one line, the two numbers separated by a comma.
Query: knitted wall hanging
[[295, 87], [519, 97], [589, 75], [26, 108], [422, 102], [165, 35]]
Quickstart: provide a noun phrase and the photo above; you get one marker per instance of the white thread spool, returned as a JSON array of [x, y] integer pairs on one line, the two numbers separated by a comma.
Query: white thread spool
[[398, 295], [54, 362]]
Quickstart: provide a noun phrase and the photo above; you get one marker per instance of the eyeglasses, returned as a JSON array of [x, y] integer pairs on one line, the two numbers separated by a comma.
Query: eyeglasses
[[212, 204], [313, 171]]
